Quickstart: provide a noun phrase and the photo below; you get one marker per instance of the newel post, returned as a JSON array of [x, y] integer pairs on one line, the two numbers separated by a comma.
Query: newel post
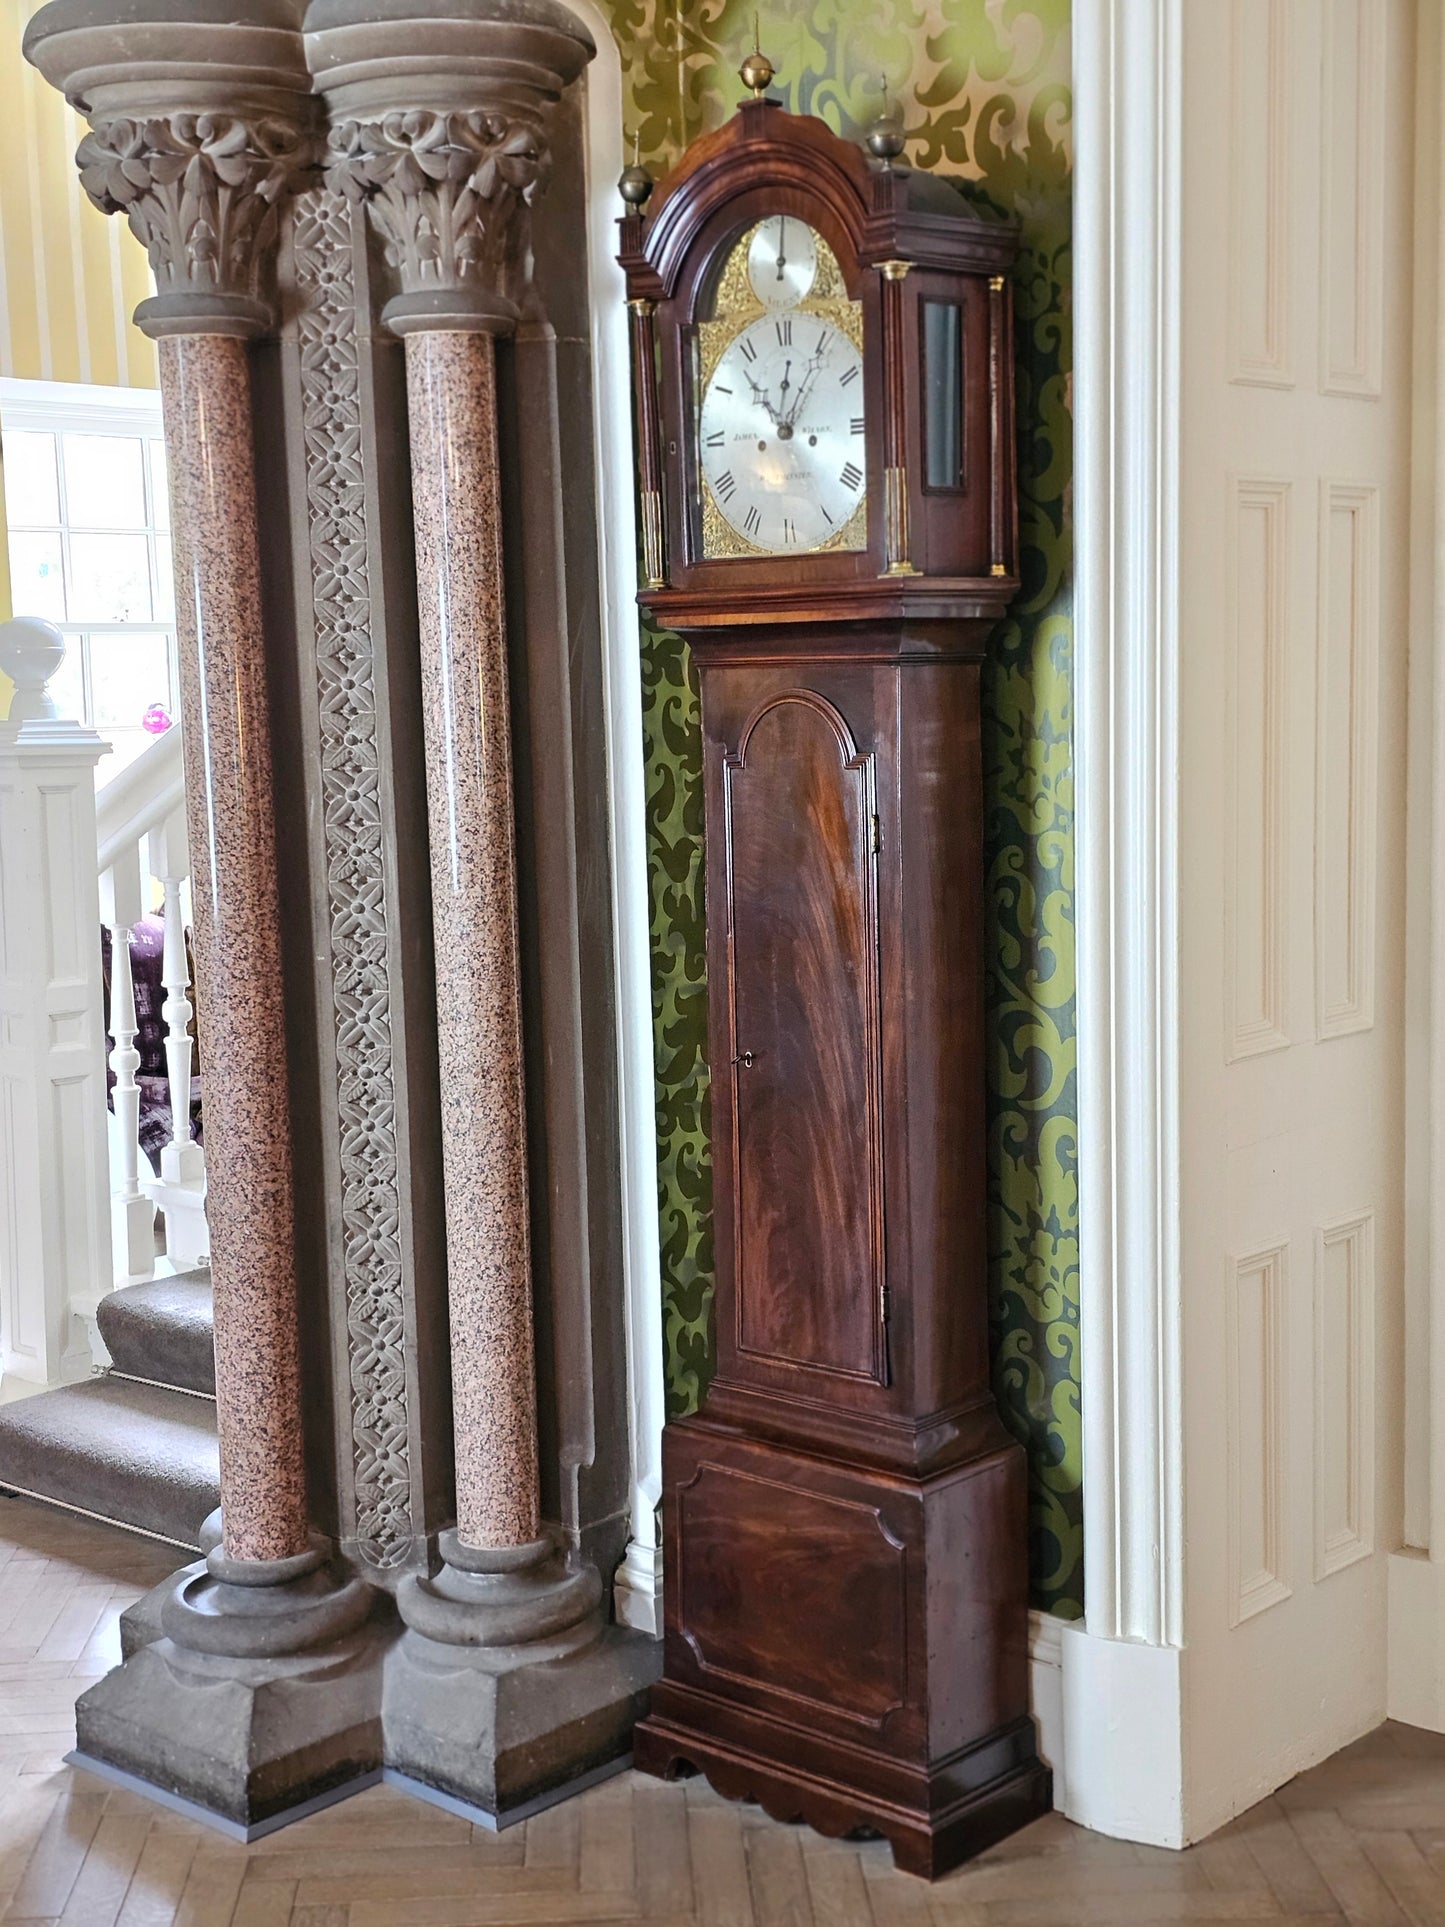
[[55, 1244]]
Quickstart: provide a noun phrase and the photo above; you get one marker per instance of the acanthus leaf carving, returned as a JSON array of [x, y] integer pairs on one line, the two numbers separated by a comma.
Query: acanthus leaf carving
[[450, 194], [201, 191]]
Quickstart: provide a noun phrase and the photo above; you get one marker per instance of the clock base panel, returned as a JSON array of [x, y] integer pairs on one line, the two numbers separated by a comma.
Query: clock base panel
[[846, 1644]]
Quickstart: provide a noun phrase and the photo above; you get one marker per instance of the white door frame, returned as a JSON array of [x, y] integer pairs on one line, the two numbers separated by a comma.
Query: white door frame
[[1122, 1665], [1416, 1688], [637, 1590]]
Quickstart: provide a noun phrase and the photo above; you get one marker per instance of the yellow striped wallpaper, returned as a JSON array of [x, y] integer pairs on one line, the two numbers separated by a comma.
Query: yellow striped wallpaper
[[69, 277]]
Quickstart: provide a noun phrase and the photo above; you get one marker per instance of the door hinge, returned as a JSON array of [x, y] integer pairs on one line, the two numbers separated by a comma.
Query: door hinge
[[877, 834]]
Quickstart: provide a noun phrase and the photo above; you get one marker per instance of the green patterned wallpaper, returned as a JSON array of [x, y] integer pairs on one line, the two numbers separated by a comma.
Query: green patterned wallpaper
[[985, 88]]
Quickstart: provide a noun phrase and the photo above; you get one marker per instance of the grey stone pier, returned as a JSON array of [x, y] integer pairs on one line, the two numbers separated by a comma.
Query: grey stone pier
[[507, 1681], [260, 1689], [372, 387]]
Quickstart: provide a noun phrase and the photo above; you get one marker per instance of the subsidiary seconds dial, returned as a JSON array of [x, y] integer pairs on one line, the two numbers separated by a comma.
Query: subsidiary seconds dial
[[781, 432]]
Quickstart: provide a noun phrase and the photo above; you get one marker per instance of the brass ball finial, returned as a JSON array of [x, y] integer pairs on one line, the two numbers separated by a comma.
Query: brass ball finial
[[635, 184], [886, 138], [757, 71]]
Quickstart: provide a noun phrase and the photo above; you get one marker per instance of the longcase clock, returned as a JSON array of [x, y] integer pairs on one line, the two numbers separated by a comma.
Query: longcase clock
[[824, 385]]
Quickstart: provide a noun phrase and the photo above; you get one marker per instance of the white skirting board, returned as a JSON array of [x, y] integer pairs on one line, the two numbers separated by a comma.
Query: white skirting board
[[1046, 1696], [1415, 1692], [1109, 1718]]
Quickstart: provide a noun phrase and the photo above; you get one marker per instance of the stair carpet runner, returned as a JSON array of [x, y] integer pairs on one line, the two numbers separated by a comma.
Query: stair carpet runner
[[135, 1445]]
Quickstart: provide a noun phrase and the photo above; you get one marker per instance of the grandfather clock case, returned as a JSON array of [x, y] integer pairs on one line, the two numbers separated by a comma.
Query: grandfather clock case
[[824, 401]]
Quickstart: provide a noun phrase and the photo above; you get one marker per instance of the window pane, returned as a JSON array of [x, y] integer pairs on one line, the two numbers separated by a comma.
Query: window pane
[[31, 495], [104, 485], [165, 580], [943, 393], [110, 578], [67, 685], [37, 581], [160, 486], [128, 674]]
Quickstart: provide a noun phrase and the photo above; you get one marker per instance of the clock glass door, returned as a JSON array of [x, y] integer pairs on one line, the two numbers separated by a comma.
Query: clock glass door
[[806, 1071], [780, 427]]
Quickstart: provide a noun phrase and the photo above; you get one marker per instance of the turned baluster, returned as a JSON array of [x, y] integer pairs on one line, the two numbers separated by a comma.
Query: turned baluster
[[133, 1214], [181, 1192]]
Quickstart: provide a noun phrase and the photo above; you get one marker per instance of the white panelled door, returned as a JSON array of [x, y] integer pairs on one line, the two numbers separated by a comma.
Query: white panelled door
[[1294, 527]]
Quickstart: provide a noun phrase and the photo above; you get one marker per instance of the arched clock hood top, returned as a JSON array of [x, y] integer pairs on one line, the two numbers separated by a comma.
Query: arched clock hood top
[[886, 211]]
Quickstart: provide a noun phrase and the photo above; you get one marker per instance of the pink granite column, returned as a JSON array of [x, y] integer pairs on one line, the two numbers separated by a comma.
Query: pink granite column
[[206, 392], [451, 385]]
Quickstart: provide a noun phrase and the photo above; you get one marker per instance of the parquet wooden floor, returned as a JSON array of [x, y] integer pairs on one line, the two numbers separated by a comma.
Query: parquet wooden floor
[[1361, 1838]]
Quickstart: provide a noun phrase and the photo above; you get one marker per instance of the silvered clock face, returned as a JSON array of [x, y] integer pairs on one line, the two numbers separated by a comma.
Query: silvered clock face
[[781, 431], [782, 261]]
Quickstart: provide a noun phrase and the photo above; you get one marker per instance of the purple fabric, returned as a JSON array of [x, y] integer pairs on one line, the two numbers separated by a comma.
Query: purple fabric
[[147, 960]]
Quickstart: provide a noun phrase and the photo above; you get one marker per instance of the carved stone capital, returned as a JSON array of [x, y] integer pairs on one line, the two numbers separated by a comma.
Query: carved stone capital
[[200, 123], [449, 193], [439, 112], [201, 193]]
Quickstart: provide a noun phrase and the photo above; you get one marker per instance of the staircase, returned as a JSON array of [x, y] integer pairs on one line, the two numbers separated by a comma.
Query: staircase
[[134, 1445]]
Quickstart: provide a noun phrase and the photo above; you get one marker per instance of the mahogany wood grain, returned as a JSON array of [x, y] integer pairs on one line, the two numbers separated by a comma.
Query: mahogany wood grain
[[845, 1517]]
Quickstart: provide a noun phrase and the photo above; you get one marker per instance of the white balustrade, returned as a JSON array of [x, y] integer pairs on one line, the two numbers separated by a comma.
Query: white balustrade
[[141, 834], [79, 1198]]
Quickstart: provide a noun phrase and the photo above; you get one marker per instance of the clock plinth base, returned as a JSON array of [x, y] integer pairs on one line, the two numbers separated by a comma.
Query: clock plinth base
[[848, 1645], [929, 1839]]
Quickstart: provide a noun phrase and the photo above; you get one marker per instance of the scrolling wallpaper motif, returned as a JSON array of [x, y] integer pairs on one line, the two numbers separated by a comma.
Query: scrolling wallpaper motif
[[985, 91]]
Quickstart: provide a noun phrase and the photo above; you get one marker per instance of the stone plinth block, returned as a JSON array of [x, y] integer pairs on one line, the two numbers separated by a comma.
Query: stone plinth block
[[246, 1738], [499, 1728]]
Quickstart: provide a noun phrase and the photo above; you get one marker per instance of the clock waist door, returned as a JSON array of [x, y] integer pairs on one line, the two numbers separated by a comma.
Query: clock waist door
[[798, 1051]]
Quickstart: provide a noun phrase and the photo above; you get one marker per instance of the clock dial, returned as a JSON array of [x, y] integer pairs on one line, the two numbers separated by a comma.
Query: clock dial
[[782, 261], [781, 433]]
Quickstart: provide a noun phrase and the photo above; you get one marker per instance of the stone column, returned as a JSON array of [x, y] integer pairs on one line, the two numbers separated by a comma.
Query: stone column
[[197, 133], [439, 124], [206, 391], [451, 387]]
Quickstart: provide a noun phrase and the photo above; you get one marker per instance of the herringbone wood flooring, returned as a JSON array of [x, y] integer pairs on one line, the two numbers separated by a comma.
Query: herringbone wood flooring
[[1361, 1838]]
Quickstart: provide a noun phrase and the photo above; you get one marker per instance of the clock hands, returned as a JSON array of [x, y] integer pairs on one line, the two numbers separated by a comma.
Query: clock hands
[[785, 426], [782, 239], [810, 375], [792, 397], [760, 397]]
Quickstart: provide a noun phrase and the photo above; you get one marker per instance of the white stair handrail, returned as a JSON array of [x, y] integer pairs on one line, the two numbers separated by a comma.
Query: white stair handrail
[[142, 798]]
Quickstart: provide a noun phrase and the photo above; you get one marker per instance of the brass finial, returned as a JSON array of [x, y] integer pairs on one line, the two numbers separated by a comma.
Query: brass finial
[[757, 71], [635, 184], [886, 137]]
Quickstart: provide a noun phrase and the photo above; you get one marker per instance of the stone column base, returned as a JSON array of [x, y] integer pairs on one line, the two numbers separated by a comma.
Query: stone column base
[[247, 1739], [497, 1728]]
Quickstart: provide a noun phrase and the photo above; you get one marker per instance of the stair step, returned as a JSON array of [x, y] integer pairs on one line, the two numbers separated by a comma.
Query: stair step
[[163, 1331], [139, 1455]]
